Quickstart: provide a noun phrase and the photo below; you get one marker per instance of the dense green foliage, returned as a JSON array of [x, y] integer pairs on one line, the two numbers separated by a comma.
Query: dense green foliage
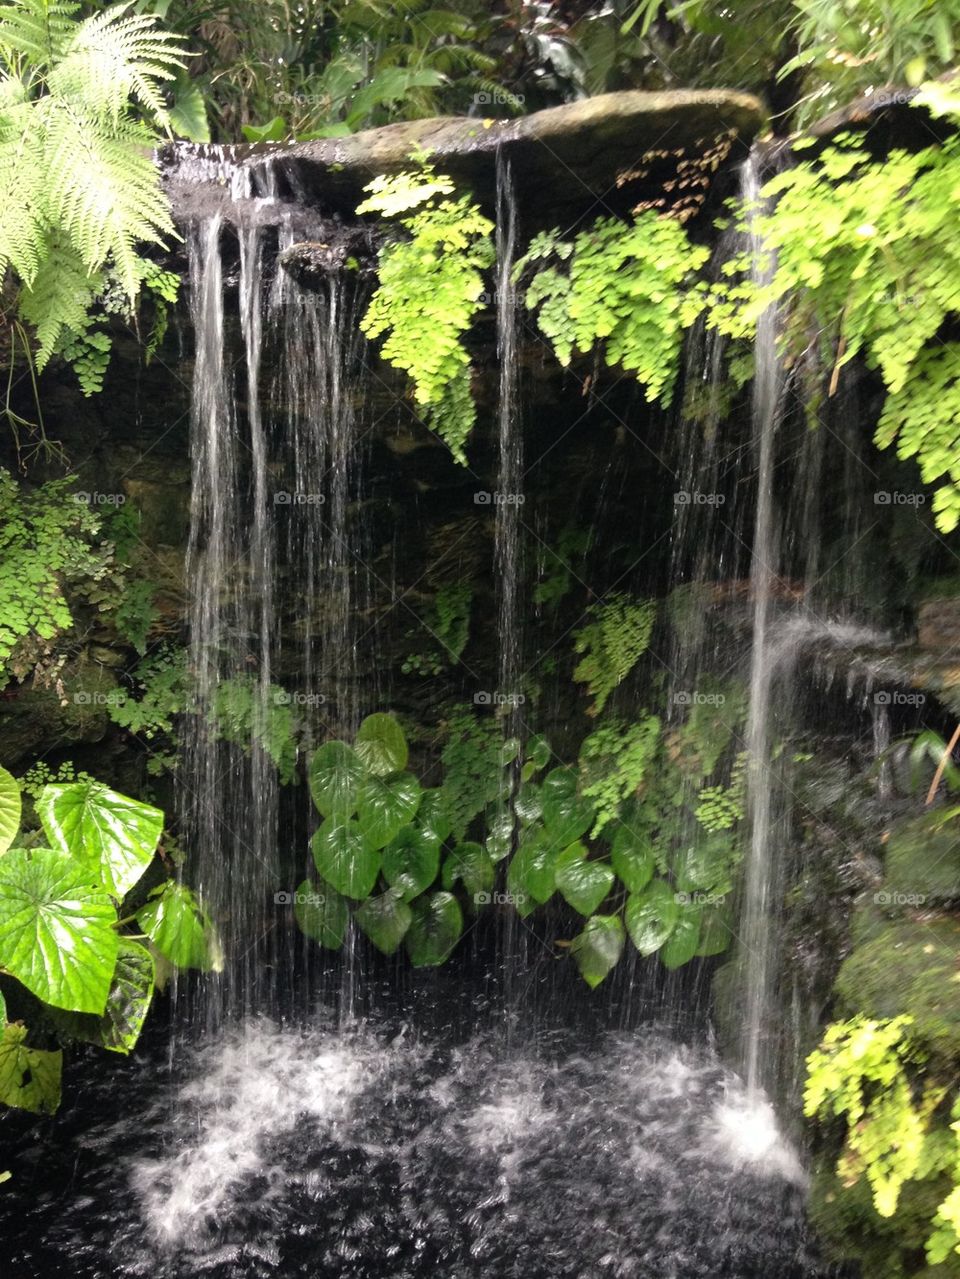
[[66, 910], [81, 103]]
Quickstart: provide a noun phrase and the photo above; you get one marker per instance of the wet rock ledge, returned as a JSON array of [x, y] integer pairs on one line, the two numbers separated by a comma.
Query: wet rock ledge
[[605, 154]]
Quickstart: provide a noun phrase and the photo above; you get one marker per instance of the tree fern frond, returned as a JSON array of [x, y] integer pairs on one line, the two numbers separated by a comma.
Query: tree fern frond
[[59, 301], [36, 29], [21, 226]]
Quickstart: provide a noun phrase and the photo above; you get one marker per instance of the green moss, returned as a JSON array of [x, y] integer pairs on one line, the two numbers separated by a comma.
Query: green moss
[[909, 967], [923, 862]]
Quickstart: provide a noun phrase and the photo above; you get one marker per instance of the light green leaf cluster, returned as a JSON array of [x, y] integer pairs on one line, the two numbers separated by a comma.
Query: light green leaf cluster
[[614, 761], [430, 288], [611, 644], [630, 287], [81, 100]]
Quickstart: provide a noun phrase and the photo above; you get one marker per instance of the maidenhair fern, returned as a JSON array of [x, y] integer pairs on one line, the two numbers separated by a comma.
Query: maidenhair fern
[[611, 644], [430, 287], [628, 286], [614, 761], [81, 102]]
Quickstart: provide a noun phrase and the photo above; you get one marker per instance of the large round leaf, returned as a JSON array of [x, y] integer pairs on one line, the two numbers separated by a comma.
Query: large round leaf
[[321, 913], [528, 804], [113, 833], [386, 805], [530, 876], [345, 859], [336, 772], [385, 919], [501, 829], [435, 929], [411, 862], [584, 884], [29, 1077], [566, 815], [472, 865], [128, 1003], [633, 859], [56, 928], [381, 745], [180, 928], [716, 931], [9, 809], [705, 866], [651, 916], [681, 946], [598, 948]]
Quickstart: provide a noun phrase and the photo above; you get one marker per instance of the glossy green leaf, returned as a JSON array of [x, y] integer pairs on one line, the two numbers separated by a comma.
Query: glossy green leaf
[[538, 752], [385, 920], [566, 815], [432, 817], [528, 804], [716, 931], [188, 114], [336, 772], [681, 946], [9, 809], [321, 913], [29, 1077], [598, 948], [434, 930], [582, 883], [501, 829], [274, 130], [411, 862], [386, 805], [128, 1003], [345, 859], [651, 916], [472, 865], [116, 835], [180, 928], [633, 859], [56, 928], [381, 745], [530, 876]]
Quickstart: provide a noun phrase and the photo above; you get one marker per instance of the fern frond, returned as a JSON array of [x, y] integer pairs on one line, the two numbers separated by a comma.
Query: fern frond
[[58, 302], [36, 29]]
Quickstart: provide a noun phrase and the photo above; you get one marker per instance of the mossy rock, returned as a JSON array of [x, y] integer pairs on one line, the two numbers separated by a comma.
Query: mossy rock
[[850, 1228], [913, 967], [922, 862], [37, 720]]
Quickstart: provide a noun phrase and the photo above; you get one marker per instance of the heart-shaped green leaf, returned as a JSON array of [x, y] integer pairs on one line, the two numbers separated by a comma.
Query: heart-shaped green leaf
[[528, 804], [321, 913], [582, 883], [434, 930], [116, 835], [381, 745], [29, 1077], [566, 815], [472, 865], [681, 946], [651, 916], [387, 804], [56, 928], [385, 920], [180, 928], [598, 948], [538, 752], [9, 809], [345, 859], [633, 859], [706, 865], [530, 876], [410, 862], [432, 816], [501, 827], [716, 931], [128, 1003], [336, 772]]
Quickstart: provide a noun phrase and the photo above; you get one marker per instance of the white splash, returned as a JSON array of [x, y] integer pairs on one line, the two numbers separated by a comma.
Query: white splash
[[745, 1130]]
